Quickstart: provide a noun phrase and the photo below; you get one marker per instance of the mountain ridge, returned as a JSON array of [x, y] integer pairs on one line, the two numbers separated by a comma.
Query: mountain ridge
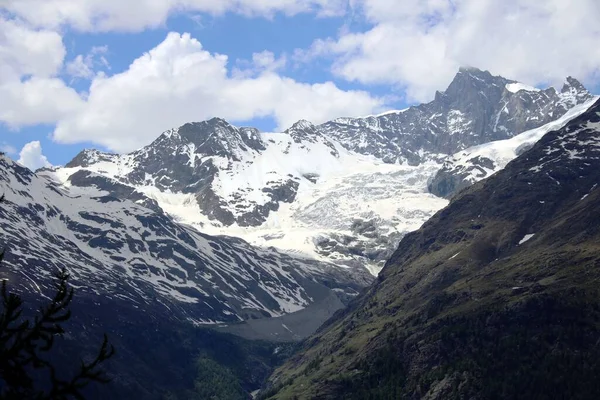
[[282, 189], [119, 247]]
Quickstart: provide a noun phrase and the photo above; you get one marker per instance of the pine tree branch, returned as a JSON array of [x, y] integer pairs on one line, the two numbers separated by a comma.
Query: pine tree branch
[[21, 346]]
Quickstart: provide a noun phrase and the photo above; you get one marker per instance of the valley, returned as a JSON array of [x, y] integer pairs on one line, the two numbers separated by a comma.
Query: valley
[[320, 243]]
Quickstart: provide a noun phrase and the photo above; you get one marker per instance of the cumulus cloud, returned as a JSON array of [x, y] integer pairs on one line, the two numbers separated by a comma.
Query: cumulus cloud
[[178, 81], [266, 61], [80, 67], [417, 45], [107, 15], [31, 156], [25, 51], [414, 46], [36, 101], [29, 91]]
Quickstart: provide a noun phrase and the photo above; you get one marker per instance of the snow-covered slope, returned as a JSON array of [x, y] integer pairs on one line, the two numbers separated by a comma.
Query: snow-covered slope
[[118, 249], [299, 192], [344, 191], [476, 163]]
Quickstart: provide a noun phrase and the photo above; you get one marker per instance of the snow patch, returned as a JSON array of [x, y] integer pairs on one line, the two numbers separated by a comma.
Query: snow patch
[[526, 238]]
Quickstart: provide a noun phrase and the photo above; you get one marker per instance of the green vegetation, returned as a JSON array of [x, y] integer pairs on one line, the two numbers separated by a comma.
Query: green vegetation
[[226, 367], [213, 382]]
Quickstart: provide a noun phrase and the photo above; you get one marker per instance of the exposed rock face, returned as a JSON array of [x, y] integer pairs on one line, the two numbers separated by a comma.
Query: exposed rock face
[[476, 108], [155, 287], [198, 158], [448, 181], [471, 165], [88, 179], [305, 131], [497, 284]]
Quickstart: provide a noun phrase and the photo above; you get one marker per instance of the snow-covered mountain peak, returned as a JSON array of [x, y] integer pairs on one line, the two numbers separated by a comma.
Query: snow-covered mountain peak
[[267, 187], [306, 133], [302, 125], [88, 157], [116, 248], [303, 130], [476, 163], [216, 137], [573, 92]]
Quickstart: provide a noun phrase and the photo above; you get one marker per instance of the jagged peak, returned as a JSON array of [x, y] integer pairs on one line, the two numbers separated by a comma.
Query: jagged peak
[[192, 132], [473, 73], [572, 83], [87, 157], [469, 69], [212, 122], [473, 79], [301, 125], [195, 131], [303, 129]]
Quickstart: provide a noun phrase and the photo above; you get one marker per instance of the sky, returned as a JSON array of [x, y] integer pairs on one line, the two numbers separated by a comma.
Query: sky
[[114, 74]]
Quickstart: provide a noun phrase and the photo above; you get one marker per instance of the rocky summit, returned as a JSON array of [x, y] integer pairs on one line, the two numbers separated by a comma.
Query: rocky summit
[[476, 108]]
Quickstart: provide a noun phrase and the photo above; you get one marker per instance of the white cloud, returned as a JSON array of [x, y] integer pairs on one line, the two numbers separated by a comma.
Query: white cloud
[[31, 156], [178, 81], [417, 45], [80, 67], [84, 67], [24, 51], [264, 61], [29, 60], [107, 15], [36, 101]]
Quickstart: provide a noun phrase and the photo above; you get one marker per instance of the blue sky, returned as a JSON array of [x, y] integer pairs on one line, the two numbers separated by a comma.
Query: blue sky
[[114, 76]]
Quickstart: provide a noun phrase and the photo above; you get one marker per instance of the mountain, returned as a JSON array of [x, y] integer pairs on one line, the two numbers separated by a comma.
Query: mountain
[[206, 252], [135, 252], [166, 294], [478, 162], [476, 108], [298, 193], [345, 191], [494, 297]]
